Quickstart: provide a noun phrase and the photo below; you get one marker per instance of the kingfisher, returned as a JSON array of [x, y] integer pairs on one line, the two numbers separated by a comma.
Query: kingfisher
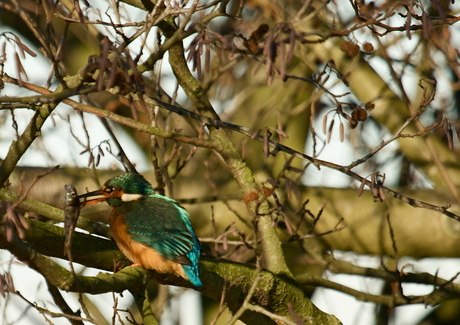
[[150, 229]]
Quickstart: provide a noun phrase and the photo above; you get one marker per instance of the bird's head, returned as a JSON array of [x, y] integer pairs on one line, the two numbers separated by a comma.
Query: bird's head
[[119, 189]]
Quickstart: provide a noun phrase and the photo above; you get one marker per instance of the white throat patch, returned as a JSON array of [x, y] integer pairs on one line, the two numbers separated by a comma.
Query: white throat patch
[[131, 197]]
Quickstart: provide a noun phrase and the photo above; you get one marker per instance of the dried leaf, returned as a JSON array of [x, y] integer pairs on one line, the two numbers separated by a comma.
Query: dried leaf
[[24, 48], [342, 132], [2, 286], [197, 62], [426, 25], [191, 50], [361, 187], [450, 138], [279, 130], [324, 124], [332, 65], [457, 130], [407, 24], [9, 231], [207, 60], [329, 131], [272, 182], [3, 52], [133, 109], [266, 146], [23, 222], [374, 189], [270, 54], [19, 69], [14, 223], [289, 227], [430, 81], [287, 163], [267, 191], [282, 61], [91, 159], [6, 284], [103, 63], [255, 134], [291, 186], [113, 75], [251, 196], [291, 45], [382, 196], [225, 243], [445, 125]]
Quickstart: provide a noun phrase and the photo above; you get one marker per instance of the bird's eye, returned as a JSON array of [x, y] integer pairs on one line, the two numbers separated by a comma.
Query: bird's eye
[[108, 190]]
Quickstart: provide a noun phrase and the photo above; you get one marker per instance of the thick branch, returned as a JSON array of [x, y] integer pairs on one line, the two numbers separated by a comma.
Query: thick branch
[[274, 292], [271, 244], [51, 212], [19, 147], [64, 279]]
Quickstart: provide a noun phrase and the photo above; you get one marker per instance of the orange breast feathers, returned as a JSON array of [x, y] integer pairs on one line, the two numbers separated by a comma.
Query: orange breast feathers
[[139, 253]]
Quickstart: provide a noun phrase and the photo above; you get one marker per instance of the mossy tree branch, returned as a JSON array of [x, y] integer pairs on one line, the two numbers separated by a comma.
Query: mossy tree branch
[[45, 240], [222, 144], [18, 147]]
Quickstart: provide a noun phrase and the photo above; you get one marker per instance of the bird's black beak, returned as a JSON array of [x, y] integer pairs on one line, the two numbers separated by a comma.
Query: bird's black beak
[[93, 197]]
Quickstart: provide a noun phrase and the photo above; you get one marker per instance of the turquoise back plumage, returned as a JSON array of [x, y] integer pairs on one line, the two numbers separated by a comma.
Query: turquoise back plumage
[[158, 222]]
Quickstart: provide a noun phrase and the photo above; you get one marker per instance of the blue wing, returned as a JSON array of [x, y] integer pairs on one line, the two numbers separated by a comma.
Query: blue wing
[[159, 222]]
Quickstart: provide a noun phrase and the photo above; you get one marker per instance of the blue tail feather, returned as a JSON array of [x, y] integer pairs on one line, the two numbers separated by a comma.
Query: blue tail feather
[[192, 271]]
